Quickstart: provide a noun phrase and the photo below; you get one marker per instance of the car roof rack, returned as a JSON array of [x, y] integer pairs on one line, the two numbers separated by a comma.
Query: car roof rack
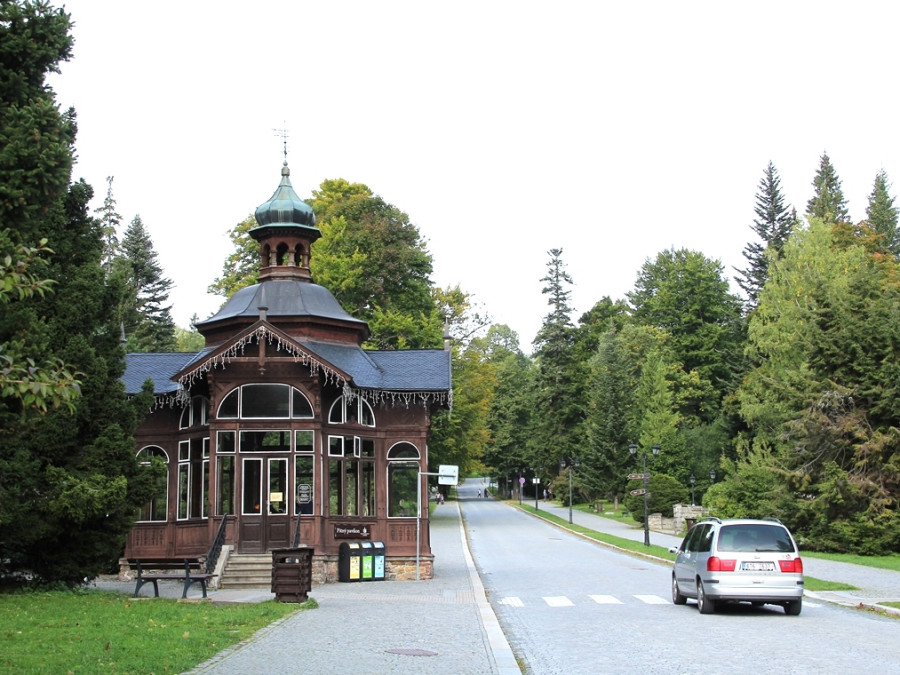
[[713, 518], [774, 520]]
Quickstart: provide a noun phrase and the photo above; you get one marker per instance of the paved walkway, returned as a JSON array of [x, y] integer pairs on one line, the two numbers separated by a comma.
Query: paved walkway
[[874, 585], [441, 625]]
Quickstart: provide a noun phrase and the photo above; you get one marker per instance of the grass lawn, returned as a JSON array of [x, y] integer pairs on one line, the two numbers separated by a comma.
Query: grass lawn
[[91, 631]]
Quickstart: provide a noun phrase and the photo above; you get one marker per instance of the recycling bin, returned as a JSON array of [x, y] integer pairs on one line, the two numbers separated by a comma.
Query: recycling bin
[[378, 561], [350, 562], [292, 573], [368, 561]]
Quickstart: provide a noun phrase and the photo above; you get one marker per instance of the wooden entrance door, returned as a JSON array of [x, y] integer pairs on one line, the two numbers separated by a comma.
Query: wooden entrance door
[[265, 500]]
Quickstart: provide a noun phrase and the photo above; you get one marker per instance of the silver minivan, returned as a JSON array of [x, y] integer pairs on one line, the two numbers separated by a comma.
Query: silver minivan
[[754, 561]]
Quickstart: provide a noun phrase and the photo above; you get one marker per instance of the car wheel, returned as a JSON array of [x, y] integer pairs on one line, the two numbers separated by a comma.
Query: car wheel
[[793, 608], [704, 604], [677, 597]]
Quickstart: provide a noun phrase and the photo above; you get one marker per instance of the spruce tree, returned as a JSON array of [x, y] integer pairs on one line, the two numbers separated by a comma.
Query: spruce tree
[[110, 220], [558, 379], [145, 316], [773, 225], [827, 202], [882, 214]]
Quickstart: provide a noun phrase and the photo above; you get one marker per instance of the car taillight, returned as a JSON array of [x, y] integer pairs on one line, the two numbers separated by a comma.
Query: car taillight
[[717, 564], [795, 565]]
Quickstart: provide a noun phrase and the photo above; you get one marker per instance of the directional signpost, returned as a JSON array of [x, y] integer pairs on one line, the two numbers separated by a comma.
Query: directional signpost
[[448, 474]]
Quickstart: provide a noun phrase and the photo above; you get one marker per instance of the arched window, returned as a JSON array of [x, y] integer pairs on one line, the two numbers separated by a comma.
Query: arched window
[[354, 410], [155, 459], [265, 401], [195, 414], [403, 477]]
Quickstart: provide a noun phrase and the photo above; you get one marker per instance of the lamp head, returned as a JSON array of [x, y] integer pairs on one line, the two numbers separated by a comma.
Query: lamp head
[[655, 450], [632, 448]]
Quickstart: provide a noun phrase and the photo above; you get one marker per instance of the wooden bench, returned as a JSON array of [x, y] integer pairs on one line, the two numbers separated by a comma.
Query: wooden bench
[[187, 570]]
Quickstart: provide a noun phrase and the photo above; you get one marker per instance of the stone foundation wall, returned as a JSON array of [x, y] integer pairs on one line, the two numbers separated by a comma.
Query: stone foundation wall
[[325, 569]]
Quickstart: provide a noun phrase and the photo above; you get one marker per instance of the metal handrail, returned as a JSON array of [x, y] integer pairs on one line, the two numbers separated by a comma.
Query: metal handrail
[[212, 556]]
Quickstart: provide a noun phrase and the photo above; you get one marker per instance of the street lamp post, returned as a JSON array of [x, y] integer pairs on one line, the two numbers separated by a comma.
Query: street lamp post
[[633, 448], [693, 480], [572, 465]]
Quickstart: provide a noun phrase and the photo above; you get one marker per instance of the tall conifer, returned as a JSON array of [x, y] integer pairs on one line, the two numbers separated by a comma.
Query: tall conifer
[[146, 318], [882, 214], [827, 202], [773, 224]]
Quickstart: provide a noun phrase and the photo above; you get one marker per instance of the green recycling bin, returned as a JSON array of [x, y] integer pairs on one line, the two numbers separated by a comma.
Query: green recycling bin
[[368, 561], [378, 560], [350, 562]]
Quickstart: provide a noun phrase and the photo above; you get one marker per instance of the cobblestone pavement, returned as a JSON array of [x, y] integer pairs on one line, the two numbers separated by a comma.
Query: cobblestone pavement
[[874, 585]]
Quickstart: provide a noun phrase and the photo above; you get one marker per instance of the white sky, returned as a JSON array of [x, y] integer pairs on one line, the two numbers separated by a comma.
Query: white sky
[[612, 130]]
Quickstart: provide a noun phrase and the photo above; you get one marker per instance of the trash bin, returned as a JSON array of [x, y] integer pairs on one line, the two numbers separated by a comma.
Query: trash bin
[[368, 561], [349, 562], [292, 573], [378, 560]]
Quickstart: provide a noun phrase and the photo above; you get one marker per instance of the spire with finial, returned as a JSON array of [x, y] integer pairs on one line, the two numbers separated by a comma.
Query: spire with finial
[[286, 229]]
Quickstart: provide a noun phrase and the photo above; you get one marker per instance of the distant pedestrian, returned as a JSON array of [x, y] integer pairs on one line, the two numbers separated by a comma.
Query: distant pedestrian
[[479, 492]]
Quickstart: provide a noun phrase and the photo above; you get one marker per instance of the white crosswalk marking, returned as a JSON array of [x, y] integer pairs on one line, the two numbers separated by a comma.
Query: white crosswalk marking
[[652, 599], [605, 599], [512, 602], [558, 601]]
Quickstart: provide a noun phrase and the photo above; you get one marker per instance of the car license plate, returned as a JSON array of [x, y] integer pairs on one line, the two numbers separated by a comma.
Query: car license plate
[[758, 566]]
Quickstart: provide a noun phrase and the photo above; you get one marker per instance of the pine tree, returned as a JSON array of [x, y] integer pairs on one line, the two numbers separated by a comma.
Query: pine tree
[[773, 225], [827, 203], [882, 214], [110, 221], [146, 319]]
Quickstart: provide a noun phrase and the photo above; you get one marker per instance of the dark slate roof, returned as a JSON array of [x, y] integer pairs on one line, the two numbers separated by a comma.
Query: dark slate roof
[[157, 367], [283, 297], [400, 370]]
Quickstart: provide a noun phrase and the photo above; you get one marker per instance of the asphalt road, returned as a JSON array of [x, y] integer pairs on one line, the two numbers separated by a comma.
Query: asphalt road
[[571, 606]]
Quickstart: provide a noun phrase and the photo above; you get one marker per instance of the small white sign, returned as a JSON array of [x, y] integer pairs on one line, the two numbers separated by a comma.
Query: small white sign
[[448, 474]]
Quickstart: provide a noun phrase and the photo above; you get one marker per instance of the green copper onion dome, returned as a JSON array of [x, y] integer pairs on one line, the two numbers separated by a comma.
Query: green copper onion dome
[[284, 209]]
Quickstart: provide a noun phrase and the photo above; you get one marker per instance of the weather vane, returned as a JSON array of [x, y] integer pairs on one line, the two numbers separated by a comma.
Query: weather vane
[[284, 136]]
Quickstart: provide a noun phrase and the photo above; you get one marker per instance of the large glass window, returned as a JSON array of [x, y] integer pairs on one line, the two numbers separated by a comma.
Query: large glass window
[[351, 480], [266, 441], [403, 478], [155, 459], [193, 477], [265, 401]]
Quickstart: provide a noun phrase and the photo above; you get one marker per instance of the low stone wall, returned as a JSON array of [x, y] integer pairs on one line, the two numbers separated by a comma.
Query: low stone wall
[[685, 515]]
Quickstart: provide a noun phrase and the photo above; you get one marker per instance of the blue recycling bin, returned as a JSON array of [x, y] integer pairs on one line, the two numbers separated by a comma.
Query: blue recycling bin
[[378, 561]]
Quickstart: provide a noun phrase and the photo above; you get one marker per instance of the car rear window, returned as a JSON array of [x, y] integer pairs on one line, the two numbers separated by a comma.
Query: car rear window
[[755, 537]]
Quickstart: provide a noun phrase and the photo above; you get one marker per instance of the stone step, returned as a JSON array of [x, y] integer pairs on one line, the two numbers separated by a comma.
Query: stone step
[[246, 570]]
